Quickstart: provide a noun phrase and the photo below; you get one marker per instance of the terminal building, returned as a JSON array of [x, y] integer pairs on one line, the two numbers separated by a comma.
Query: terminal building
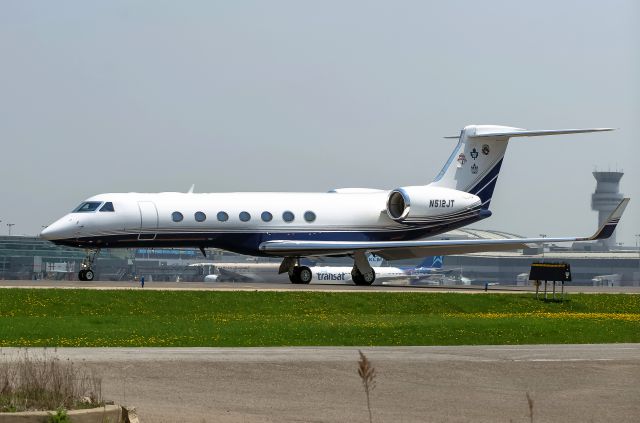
[[589, 266], [33, 258]]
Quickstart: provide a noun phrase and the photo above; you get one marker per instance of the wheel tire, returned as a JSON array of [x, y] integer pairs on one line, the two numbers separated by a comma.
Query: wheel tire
[[294, 275], [305, 275], [356, 277], [369, 278], [361, 280], [88, 275], [81, 275]]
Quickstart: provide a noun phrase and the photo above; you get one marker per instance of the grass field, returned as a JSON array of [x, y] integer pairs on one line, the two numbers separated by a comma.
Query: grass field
[[83, 318]]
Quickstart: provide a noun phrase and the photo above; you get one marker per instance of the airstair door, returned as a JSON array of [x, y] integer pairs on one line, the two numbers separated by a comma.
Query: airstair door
[[148, 220]]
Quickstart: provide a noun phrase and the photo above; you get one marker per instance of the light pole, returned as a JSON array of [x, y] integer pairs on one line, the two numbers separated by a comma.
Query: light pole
[[543, 236], [10, 225]]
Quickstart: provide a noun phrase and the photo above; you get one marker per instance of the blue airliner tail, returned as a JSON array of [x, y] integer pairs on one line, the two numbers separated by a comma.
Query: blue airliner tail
[[432, 262]]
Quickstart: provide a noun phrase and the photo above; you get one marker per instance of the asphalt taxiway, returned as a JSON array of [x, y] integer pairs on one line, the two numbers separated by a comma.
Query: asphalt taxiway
[[258, 286], [568, 383]]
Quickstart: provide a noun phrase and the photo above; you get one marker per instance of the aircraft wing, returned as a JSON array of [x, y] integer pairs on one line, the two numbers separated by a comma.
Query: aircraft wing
[[391, 250]]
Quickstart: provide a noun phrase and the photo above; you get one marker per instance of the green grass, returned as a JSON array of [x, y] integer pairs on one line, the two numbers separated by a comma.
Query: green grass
[[49, 317]]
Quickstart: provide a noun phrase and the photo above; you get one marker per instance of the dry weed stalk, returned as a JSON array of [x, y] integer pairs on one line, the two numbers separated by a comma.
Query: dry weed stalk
[[530, 402], [29, 382], [368, 375]]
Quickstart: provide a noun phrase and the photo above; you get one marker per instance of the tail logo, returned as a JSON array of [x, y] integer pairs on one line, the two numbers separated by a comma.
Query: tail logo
[[485, 149], [462, 159], [474, 154], [474, 169]]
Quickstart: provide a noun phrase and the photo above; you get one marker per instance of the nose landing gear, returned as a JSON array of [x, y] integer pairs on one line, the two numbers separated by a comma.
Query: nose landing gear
[[86, 274]]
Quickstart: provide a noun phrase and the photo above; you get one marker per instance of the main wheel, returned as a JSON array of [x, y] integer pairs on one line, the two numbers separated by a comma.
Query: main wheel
[[81, 275], [305, 275], [294, 275], [88, 275], [370, 277], [363, 279]]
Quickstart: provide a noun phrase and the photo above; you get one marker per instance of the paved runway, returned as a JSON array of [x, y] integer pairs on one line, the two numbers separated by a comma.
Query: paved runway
[[255, 286], [568, 383]]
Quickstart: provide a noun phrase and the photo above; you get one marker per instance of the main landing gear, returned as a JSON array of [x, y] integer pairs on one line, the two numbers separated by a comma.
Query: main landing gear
[[297, 274], [362, 279], [362, 273], [86, 274], [300, 275]]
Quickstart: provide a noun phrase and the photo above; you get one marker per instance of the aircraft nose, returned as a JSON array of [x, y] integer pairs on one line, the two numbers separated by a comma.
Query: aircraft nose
[[57, 230]]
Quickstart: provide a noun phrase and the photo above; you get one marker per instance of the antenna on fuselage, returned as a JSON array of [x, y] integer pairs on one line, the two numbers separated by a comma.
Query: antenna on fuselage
[[191, 189]]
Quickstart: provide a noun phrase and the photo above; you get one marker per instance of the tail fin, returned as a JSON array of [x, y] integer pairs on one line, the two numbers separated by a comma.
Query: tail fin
[[475, 163], [433, 262]]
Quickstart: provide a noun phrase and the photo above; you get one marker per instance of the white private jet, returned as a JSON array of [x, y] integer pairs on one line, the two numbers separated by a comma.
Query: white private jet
[[343, 222]]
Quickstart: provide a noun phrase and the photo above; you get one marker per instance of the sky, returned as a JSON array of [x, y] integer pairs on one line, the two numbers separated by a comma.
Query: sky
[[153, 96]]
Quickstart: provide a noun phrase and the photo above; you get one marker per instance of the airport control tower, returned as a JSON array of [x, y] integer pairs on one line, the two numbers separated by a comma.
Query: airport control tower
[[606, 198]]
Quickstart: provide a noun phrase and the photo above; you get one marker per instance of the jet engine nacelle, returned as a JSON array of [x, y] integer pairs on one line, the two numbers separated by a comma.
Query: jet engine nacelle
[[421, 203]]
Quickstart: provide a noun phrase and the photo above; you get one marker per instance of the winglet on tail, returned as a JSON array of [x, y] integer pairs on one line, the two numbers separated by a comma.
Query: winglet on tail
[[609, 225]]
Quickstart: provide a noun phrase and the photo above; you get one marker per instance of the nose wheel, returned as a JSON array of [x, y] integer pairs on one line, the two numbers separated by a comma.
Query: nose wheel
[[86, 274]]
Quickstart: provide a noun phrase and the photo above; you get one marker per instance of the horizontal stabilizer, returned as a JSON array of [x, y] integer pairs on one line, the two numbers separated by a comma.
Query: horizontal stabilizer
[[517, 132]]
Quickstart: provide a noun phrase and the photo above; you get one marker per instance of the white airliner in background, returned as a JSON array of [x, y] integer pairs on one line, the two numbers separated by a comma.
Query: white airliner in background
[[265, 272], [343, 222], [428, 268]]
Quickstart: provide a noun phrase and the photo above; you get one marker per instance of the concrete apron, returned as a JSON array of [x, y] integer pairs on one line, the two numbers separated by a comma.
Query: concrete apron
[[106, 414]]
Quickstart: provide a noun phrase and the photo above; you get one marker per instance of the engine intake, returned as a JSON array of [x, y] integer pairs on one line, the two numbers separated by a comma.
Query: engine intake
[[398, 205]]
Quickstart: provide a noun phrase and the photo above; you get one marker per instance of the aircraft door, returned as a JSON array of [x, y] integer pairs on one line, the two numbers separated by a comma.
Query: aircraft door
[[148, 220]]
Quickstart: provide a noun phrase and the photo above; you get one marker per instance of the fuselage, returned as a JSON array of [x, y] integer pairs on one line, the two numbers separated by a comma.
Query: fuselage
[[239, 222]]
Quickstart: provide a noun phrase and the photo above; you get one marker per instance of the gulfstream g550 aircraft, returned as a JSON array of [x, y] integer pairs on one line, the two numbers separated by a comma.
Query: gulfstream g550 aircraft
[[343, 222]]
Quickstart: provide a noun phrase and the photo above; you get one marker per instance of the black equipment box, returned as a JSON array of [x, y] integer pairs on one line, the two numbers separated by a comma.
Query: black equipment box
[[560, 272]]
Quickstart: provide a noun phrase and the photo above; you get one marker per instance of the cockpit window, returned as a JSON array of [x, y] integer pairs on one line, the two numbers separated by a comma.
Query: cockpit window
[[108, 207], [87, 206]]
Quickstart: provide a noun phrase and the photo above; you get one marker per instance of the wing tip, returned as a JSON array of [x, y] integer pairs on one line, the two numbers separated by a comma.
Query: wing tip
[[609, 225]]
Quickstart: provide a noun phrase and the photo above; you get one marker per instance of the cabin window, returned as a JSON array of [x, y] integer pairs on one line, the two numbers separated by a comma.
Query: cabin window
[[177, 216], [266, 216], [108, 207], [309, 216], [222, 216], [87, 206], [200, 216], [288, 216], [245, 216]]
